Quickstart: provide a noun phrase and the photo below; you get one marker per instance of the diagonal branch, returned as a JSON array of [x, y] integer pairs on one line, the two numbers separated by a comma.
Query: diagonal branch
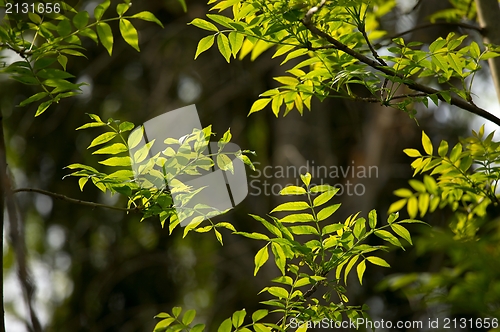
[[73, 200], [390, 72]]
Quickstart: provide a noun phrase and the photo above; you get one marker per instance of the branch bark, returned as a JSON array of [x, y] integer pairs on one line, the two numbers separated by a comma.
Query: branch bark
[[3, 183], [489, 19], [390, 72]]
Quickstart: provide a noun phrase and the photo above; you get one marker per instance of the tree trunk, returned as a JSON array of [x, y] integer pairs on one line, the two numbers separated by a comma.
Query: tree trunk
[[489, 14]]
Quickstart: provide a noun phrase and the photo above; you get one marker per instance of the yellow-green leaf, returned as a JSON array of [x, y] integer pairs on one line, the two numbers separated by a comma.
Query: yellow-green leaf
[[204, 44], [101, 139], [129, 33], [327, 212], [427, 144], [378, 261], [223, 45], [105, 36], [260, 259], [117, 161], [259, 104], [292, 190], [291, 206], [360, 269], [236, 42]]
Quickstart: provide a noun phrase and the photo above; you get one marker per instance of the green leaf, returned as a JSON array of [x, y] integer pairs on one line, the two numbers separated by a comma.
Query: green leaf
[[324, 197], [218, 235], [135, 137], [378, 261], [397, 206], [443, 148], [101, 139], [455, 152], [260, 259], [412, 153], [141, 154], [204, 44], [117, 161], [34, 98], [401, 231], [176, 311], [100, 9], [82, 181], [386, 236], [455, 63], [291, 206], [105, 36], [112, 149], [53, 73], [427, 144], [332, 228], [43, 107], [372, 218], [125, 126], [412, 207], [236, 41], [303, 230], [188, 317], [147, 16], [327, 212], [349, 267], [122, 8], [323, 188], [225, 163], [226, 225], [63, 60], [129, 34], [306, 178], [259, 104], [43, 63], [81, 20], [293, 190], [279, 292], [202, 24], [223, 45], [360, 269], [298, 217], [238, 318], [225, 326], [198, 328], [226, 138], [259, 314]]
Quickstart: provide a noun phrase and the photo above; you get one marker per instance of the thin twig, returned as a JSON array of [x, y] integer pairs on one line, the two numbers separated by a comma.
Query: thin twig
[[430, 25], [73, 200], [375, 100], [390, 72]]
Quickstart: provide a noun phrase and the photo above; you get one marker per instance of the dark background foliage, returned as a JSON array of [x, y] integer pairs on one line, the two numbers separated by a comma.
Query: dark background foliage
[[121, 272]]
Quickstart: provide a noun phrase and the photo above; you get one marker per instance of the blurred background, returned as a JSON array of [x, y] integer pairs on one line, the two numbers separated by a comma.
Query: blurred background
[[103, 270]]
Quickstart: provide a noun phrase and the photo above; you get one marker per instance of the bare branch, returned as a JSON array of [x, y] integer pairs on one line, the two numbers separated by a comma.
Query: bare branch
[[73, 200]]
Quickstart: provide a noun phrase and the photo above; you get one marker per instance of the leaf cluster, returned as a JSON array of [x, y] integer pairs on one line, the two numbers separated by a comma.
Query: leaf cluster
[[464, 178], [46, 41]]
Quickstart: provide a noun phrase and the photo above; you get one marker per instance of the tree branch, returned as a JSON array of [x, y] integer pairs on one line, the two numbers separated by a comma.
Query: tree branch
[[73, 200], [390, 72]]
